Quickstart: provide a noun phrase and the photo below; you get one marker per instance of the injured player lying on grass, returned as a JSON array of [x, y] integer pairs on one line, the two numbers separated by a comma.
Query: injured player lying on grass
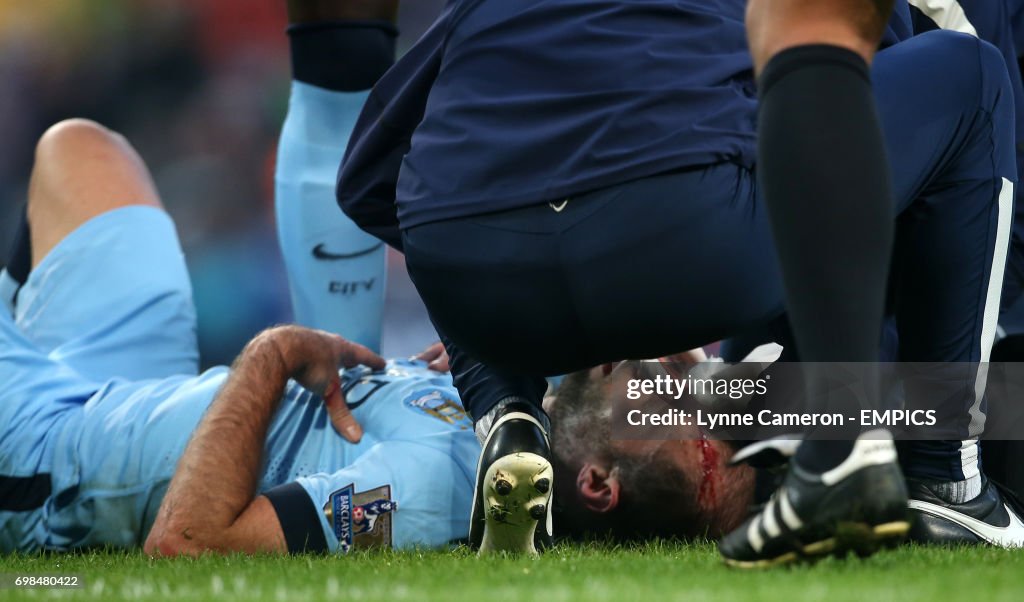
[[110, 437]]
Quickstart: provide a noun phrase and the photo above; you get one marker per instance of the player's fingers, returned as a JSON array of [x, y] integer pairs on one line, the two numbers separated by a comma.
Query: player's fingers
[[341, 417], [436, 357], [431, 353], [440, 364], [687, 358], [353, 354]]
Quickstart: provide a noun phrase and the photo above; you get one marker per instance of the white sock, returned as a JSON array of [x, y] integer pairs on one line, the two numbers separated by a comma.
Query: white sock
[[959, 492]]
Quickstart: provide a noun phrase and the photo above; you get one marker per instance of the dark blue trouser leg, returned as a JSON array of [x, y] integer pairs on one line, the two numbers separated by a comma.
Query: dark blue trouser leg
[[947, 111]]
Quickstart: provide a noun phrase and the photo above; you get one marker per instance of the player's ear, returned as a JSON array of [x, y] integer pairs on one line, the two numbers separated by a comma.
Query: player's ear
[[598, 488]]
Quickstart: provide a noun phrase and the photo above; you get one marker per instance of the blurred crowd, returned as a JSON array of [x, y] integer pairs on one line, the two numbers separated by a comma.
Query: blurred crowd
[[200, 87]]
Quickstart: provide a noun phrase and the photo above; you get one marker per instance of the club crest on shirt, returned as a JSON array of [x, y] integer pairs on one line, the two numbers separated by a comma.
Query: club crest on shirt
[[441, 405], [361, 520]]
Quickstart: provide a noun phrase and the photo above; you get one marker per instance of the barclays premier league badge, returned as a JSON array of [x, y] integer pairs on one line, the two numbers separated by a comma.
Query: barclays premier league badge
[[440, 405], [361, 520]]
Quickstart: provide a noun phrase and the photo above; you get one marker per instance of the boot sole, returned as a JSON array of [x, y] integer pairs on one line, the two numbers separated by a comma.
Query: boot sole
[[517, 491]]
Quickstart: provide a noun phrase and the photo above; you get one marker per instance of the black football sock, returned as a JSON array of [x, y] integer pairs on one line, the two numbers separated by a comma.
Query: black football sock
[[343, 56], [823, 172]]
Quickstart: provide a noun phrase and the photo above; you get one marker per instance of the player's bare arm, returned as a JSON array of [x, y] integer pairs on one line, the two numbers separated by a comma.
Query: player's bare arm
[[210, 504]]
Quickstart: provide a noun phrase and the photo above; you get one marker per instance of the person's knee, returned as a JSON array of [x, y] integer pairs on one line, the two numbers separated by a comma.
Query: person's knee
[[81, 170], [975, 72], [67, 142], [775, 25], [74, 132]]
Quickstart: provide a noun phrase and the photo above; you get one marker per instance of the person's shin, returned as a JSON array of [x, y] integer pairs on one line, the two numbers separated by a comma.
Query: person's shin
[[337, 272], [825, 179]]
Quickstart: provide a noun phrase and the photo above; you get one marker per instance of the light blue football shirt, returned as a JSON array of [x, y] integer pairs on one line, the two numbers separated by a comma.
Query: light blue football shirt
[[407, 483]]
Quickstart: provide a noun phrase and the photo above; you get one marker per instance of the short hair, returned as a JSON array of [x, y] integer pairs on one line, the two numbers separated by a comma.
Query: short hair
[[657, 498]]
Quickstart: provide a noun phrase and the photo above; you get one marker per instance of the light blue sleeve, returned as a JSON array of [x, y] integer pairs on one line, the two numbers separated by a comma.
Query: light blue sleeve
[[399, 494], [336, 272]]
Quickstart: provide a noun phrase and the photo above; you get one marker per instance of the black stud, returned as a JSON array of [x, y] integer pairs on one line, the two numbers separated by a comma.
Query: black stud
[[543, 485], [503, 487], [538, 511]]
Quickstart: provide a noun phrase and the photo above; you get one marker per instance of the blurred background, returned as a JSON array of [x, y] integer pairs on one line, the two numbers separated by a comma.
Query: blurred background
[[200, 87]]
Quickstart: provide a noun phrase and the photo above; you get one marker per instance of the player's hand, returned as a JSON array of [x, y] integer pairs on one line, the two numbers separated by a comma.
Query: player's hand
[[436, 357], [687, 358], [313, 358], [678, 365]]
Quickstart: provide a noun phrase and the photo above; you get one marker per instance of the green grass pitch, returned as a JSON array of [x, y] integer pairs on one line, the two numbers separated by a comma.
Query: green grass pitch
[[649, 573]]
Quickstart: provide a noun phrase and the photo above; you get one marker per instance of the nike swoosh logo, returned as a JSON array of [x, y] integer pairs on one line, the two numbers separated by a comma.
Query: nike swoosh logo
[[320, 253], [1010, 536]]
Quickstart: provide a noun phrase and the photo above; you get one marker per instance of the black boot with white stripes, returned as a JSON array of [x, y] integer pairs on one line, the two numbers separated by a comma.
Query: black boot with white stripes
[[857, 506], [514, 483]]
